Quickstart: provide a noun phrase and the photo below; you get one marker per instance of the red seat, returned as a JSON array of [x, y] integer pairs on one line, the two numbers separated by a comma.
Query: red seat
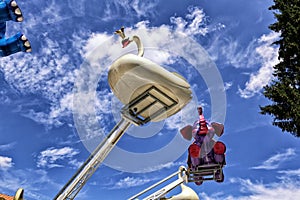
[[219, 148], [194, 150]]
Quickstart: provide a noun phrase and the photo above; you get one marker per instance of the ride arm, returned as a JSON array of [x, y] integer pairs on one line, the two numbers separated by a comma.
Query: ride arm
[[160, 194]]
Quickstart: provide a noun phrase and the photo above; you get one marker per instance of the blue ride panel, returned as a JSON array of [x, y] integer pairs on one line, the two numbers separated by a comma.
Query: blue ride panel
[[14, 44], [9, 10]]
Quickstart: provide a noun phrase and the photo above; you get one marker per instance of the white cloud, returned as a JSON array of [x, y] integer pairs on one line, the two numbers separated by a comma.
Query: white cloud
[[51, 157], [259, 53], [41, 117], [53, 12], [75, 163], [268, 58], [77, 7], [144, 8], [284, 190], [129, 182], [63, 108], [274, 161], [117, 9], [5, 163], [194, 23], [6, 147], [34, 182], [227, 85], [186, 116], [167, 165], [291, 173], [198, 24], [49, 72], [229, 51]]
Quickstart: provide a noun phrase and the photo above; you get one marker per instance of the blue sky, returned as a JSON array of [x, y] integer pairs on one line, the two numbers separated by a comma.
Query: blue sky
[[56, 104]]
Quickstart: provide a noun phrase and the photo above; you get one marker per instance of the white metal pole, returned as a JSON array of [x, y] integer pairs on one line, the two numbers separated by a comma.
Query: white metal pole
[[74, 185]]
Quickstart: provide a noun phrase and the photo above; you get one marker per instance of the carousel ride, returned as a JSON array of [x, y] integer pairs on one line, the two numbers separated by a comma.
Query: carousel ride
[[150, 93]]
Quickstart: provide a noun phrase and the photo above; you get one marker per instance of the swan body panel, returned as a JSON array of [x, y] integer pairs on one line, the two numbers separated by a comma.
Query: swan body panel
[[131, 75]]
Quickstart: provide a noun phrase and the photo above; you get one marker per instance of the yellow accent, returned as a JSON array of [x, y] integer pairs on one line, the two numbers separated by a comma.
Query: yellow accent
[[19, 194]]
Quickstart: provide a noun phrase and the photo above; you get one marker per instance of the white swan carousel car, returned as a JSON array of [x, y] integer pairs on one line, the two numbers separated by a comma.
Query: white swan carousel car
[[150, 92]]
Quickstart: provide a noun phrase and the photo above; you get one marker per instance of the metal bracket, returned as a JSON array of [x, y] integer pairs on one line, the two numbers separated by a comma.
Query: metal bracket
[[207, 172], [152, 103], [182, 178]]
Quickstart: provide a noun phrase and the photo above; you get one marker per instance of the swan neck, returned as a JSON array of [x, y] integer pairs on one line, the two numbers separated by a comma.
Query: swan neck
[[139, 45]]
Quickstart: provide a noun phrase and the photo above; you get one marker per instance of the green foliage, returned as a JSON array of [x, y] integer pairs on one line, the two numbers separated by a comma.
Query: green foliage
[[284, 91]]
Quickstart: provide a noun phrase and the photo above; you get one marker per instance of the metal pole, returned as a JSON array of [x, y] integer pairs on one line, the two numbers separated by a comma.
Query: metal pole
[[153, 186], [162, 192], [74, 185], [181, 179]]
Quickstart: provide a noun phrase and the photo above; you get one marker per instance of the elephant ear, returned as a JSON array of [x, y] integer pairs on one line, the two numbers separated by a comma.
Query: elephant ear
[[219, 128], [186, 132]]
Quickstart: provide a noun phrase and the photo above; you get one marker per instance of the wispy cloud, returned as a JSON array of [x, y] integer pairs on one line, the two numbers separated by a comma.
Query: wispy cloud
[[230, 52], [144, 8], [194, 23], [250, 190], [274, 161], [187, 116], [288, 190], [268, 58], [34, 182], [129, 182], [75, 163], [50, 157], [5, 163], [53, 12], [167, 165], [48, 73], [260, 55], [77, 7], [117, 9], [227, 85], [6, 147], [292, 173]]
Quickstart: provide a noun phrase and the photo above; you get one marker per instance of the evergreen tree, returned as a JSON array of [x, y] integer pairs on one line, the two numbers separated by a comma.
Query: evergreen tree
[[284, 90]]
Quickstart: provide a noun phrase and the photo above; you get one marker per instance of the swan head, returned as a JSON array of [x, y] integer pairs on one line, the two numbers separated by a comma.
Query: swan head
[[121, 33], [126, 42]]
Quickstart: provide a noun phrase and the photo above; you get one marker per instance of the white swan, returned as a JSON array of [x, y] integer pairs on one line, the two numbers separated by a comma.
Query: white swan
[[131, 75]]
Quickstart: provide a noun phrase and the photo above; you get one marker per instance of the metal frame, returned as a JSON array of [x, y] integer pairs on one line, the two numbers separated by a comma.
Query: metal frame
[[135, 116], [182, 177], [207, 172]]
